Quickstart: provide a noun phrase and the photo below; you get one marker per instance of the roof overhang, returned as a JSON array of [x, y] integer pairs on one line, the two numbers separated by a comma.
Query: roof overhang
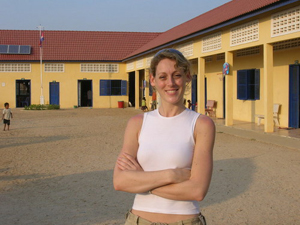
[[216, 27]]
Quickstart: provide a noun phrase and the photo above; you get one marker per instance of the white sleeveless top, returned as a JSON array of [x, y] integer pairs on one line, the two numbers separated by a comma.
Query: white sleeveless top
[[166, 143]]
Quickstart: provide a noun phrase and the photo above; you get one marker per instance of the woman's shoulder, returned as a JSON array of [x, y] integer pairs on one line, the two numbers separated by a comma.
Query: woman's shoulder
[[137, 118], [134, 125], [204, 122], [136, 121]]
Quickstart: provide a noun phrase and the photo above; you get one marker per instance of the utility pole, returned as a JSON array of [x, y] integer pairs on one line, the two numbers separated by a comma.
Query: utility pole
[[42, 100]]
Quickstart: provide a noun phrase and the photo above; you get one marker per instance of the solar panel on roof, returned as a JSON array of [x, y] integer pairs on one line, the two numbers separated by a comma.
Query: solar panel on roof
[[15, 49], [3, 49], [25, 49]]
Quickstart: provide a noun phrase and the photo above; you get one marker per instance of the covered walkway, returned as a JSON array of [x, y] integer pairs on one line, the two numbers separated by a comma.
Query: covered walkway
[[283, 137]]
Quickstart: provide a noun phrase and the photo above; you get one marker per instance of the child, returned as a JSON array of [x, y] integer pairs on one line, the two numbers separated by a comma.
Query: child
[[7, 114], [144, 105], [189, 104]]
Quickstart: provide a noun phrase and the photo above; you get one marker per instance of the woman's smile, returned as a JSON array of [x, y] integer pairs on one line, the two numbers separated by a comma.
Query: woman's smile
[[172, 91], [169, 81]]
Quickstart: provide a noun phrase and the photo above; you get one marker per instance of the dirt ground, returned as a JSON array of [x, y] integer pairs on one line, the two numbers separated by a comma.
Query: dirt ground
[[56, 168]]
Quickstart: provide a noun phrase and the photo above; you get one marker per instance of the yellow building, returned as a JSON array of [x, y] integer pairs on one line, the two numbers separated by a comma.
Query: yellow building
[[257, 40], [78, 68]]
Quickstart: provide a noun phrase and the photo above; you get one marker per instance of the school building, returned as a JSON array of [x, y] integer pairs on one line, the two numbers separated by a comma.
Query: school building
[[244, 56]]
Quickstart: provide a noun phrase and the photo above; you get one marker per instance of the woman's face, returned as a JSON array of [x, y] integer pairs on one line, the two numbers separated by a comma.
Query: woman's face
[[169, 81]]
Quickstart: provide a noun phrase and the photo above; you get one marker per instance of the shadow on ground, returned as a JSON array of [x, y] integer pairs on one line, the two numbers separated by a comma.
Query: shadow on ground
[[23, 141], [231, 177], [89, 198]]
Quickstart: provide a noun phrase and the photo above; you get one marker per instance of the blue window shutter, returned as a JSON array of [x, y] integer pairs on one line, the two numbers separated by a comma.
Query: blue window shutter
[[242, 83], [105, 86], [257, 84], [150, 89], [124, 87], [108, 87]]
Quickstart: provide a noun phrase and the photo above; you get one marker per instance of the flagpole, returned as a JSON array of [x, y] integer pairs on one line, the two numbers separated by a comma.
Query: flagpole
[[42, 101]]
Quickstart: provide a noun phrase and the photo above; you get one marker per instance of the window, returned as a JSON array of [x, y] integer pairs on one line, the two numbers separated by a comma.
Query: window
[[140, 63], [186, 49], [15, 67], [148, 61], [150, 88], [208, 59], [248, 51], [293, 43], [99, 68], [113, 87], [285, 22], [54, 67], [248, 82], [220, 56], [245, 33], [130, 66], [212, 42]]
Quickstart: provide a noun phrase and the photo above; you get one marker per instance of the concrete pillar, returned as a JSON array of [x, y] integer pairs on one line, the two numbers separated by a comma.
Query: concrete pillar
[[201, 85], [268, 87], [137, 89], [229, 90]]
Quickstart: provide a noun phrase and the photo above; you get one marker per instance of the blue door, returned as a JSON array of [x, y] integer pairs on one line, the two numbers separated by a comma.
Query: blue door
[[54, 93], [294, 93], [194, 91]]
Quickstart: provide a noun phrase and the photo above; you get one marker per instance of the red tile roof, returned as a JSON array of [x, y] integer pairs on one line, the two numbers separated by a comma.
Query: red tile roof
[[117, 46], [211, 18], [75, 45]]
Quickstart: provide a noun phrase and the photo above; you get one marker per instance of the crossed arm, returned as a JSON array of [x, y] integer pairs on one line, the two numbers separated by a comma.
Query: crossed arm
[[176, 184]]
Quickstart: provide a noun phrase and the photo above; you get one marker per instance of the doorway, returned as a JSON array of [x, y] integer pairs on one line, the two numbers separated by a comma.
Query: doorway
[[141, 86], [294, 96], [23, 93], [85, 93], [54, 93], [131, 89]]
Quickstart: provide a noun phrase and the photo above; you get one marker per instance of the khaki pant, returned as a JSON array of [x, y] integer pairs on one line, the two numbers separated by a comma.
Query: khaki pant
[[132, 219]]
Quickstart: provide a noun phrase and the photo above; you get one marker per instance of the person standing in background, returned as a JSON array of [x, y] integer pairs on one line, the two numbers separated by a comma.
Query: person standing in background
[[6, 116], [89, 96], [153, 106]]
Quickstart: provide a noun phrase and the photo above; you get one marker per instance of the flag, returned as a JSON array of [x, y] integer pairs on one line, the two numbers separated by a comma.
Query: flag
[[41, 39]]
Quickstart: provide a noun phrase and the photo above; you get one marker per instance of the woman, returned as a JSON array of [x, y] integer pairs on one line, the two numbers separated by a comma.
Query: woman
[[166, 158]]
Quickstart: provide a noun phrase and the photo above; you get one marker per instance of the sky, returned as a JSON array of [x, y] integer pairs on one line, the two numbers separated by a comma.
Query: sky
[[101, 15]]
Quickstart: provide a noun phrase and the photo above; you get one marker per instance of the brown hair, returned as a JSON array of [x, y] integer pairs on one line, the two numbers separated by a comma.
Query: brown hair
[[172, 54]]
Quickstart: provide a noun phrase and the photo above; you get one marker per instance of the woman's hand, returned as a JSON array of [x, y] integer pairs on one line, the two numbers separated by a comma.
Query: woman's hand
[[127, 162]]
